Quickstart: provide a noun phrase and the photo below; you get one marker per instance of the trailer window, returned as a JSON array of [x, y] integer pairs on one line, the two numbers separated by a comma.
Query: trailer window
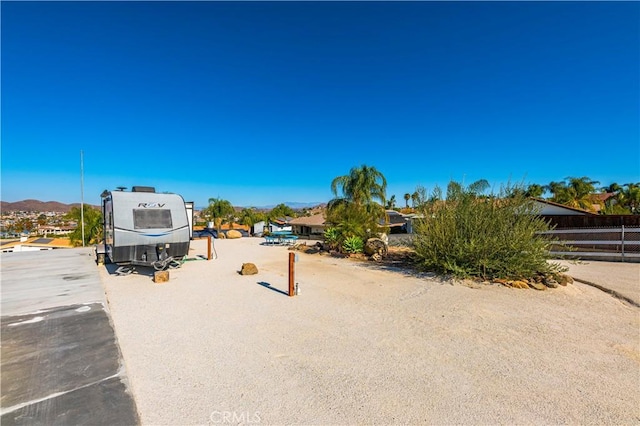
[[152, 218]]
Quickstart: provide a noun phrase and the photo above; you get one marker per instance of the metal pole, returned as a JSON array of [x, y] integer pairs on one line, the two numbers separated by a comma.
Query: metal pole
[[209, 247], [291, 274], [82, 194]]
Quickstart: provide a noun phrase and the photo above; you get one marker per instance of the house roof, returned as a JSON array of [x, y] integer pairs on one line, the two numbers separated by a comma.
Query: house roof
[[315, 220], [39, 242], [575, 210]]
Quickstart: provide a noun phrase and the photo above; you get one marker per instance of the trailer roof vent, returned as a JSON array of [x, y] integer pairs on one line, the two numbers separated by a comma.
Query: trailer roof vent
[[143, 189]]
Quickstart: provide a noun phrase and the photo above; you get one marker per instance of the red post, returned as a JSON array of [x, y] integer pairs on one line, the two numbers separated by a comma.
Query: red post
[[209, 247], [291, 274]]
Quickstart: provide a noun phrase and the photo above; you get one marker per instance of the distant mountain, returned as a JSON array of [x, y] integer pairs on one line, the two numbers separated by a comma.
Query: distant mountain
[[293, 204], [37, 206]]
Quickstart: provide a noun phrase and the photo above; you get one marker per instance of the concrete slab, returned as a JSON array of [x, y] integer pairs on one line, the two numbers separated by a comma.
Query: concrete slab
[[45, 279], [619, 279], [61, 363]]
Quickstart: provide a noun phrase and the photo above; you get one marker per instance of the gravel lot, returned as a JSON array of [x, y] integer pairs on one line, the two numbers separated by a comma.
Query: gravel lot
[[364, 345]]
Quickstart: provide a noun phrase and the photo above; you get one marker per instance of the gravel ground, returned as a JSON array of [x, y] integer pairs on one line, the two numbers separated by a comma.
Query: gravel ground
[[364, 345]]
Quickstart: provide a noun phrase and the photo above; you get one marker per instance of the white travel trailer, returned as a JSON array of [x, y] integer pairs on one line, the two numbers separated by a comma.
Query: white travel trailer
[[145, 228]]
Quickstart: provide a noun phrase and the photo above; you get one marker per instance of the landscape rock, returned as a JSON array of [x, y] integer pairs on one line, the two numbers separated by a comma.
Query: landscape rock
[[376, 245], [550, 282], [519, 284], [376, 257], [248, 269], [564, 279], [233, 234], [538, 286]]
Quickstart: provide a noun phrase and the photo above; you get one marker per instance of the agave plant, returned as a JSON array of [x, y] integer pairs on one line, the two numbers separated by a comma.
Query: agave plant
[[332, 237], [353, 245]]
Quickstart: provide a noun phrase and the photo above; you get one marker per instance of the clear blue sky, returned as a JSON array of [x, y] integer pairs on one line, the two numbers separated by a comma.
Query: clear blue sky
[[262, 103]]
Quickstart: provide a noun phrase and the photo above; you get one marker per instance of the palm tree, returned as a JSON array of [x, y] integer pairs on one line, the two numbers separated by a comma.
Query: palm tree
[[391, 204], [414, 199], [363, 185], [629, 197], [580, 192], [218, 210], [534, 190], [407, 197], [362, 200]]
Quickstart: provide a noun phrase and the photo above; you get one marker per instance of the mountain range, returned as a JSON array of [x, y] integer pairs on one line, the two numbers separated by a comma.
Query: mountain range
[[36, 206], [54, 206]]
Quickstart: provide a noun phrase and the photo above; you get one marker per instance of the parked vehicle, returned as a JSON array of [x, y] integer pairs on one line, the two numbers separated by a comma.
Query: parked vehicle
[[145, 228]]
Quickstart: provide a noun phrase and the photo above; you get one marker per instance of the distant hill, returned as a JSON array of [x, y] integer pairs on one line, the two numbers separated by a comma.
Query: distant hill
[[37, 206]]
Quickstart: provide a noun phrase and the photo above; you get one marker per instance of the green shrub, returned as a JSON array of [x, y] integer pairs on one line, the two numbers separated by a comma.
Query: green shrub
[[332, 237], [353, 245], [470, 235]]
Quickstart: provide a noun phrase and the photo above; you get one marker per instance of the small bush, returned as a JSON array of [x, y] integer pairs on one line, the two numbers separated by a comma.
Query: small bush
[[469, 235], [353, 245], [332, 237]]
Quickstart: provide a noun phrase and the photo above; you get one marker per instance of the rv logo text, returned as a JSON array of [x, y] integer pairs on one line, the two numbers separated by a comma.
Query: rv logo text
[[151, 205]]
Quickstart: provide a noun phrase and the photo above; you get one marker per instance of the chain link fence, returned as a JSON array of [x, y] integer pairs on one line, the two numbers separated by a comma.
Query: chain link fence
[[621, 243]]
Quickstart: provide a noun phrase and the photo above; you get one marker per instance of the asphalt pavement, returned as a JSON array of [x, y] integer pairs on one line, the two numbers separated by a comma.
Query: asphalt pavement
[[61, 363]]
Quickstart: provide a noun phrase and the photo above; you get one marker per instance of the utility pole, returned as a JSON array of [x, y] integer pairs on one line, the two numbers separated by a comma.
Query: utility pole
[[82, 194]]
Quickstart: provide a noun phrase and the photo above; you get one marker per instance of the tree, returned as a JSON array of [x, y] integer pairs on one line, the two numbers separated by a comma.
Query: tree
[[93, 225], [359, 208], [574, 192], [407, 197], [391, 204], [250, 216], [629, 197], [534, 190], [281, 210], [218, 210], [414, 199]]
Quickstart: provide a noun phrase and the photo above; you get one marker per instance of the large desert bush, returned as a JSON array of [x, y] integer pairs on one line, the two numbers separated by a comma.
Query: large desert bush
[[469, 234]]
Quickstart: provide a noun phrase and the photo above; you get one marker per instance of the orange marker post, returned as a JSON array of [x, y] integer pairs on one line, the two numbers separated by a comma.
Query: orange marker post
[[291, 274]]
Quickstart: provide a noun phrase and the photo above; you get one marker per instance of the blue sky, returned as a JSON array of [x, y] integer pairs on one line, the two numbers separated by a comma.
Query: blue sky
[[265, 102]]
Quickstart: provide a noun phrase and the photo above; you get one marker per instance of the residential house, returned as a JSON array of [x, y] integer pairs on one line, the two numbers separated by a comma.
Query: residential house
[[309, 225]]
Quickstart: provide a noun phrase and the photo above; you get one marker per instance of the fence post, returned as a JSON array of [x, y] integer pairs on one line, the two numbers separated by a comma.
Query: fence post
[[291, 274], [622, 247]]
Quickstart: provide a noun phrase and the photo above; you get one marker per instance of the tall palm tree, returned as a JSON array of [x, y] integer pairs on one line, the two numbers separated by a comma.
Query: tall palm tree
[[363, 185], [391, 204], [407, 197], [414, 199], [363, 196], [580, 192]]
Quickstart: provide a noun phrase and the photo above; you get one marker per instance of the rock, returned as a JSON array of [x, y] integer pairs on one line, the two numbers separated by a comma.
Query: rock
[[376, 245], [550, 282], [221, 235], [538, 286], [376, 257], [233, 234], [519, 284], [564, 279], [248, 269]]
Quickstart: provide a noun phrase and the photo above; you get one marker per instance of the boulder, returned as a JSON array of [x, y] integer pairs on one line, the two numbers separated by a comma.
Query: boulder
[[248, 269], [376, 246], [233, 234]]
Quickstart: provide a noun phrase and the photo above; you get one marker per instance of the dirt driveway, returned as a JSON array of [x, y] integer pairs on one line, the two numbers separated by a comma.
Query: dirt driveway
[[363, 345]]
